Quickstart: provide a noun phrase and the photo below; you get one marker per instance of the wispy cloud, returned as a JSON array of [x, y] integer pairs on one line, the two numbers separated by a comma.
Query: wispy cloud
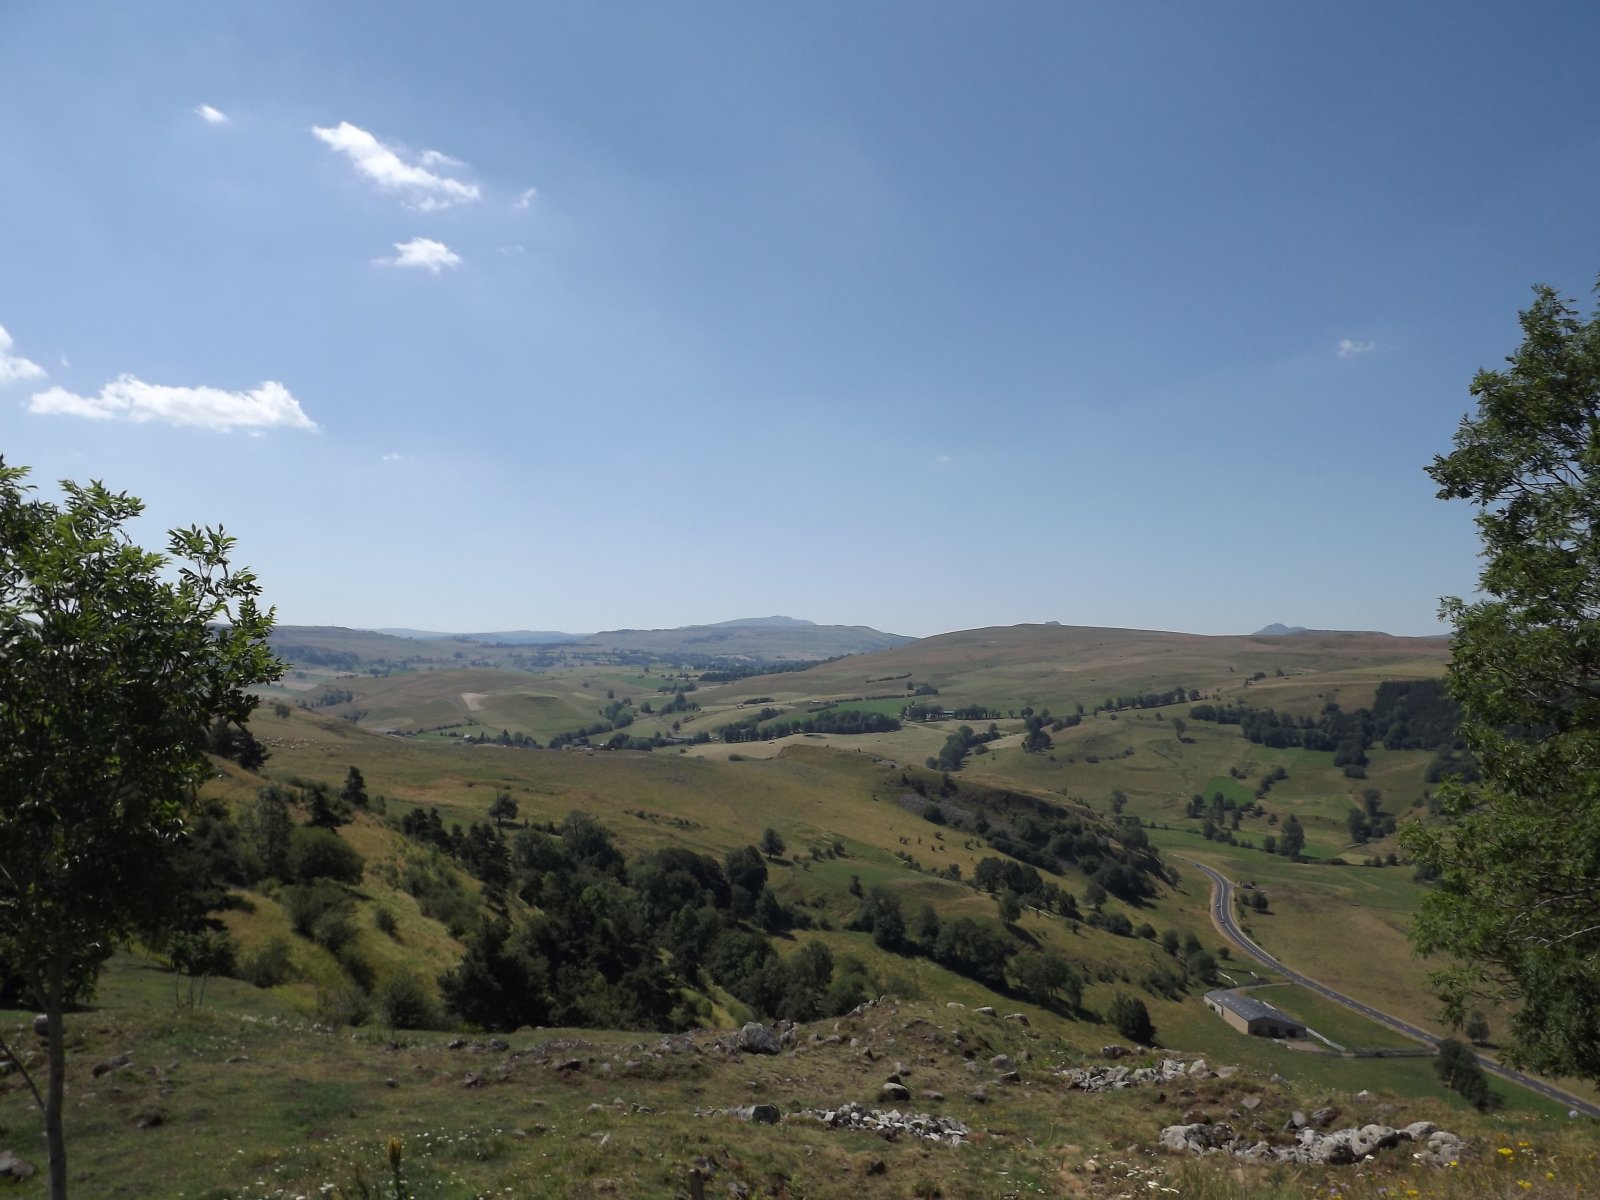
[[392, 457], [424, 253], [942, 460], [13, 366], [1348, 348], [269, 406], [211, 116], [528, 196], [382, 164]]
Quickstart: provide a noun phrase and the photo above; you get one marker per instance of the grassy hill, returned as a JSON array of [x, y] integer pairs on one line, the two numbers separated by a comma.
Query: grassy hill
[[855, 814]]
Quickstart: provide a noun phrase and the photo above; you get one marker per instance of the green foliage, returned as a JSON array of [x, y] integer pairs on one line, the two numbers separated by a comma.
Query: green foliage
[[267, 966], [322, 854], [1514, 901], [116, 665], [1458, 1067], [1130, 1018], [402, 1002]]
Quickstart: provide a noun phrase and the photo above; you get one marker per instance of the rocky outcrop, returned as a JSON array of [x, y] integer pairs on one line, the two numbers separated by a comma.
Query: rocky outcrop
[[890, 1123], [756, 1038], [1340, 1148]]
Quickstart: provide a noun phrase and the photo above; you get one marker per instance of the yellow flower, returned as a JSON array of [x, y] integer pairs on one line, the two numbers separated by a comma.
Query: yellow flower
[[396, 1149], [1523, 1183], [1506, 1152]]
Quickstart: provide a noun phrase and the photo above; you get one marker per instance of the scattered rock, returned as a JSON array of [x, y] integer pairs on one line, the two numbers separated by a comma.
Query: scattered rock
[[238, 1058], [761, 1114], [455, 1043], [756, 1038], [41, 1025], [875, 1166], [571, 1064], [932, 1095], [1020, 1018], [499, 1045], [1000, 1062], [149, 1118], [1297, 1120], [1340, 1148], [1324, 1117], [1250, 1103], [473, 1080], [111, 1064], [891, 1124], [12, 1167], [1114, 1052], [979, 1094], [894, 1091], [986, 1011]]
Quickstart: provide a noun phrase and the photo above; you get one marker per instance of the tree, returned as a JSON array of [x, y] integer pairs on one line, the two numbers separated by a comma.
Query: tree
[[503, 808], [772, 843], [1132, 1019], [1458, 1067], [1293, 840], [1518, 853], [1477, 1028], [354, 792], [113, 671]]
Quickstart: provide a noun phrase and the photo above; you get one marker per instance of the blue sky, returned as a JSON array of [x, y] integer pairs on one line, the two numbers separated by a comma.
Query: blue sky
[[919, 315]]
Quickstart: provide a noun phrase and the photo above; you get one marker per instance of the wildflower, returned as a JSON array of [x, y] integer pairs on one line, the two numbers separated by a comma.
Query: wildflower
[[1506, 1152]]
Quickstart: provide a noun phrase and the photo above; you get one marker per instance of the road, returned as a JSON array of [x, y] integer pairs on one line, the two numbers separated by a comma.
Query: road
[[1222, 918]]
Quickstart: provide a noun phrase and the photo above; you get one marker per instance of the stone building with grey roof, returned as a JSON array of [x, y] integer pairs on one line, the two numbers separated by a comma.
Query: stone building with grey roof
[[1252, 1016]]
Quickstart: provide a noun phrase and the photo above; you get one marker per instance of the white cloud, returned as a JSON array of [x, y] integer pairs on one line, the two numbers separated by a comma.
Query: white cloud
[[392, 457], [436, 158], [942, 460], [421, 188], [1348, 348], [269, 406], [424, 253], [13, 366], [211, 116], [526, 198]]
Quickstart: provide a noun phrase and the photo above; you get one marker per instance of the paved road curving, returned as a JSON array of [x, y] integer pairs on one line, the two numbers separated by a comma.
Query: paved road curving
[[1222, 918]]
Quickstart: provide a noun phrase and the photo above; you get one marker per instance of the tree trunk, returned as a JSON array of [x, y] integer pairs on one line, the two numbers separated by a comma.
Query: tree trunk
[[55, 1135]]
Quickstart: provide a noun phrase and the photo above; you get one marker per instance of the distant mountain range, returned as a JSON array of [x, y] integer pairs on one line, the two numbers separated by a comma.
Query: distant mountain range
[[510, 637], [1277, 630], [760, 639]]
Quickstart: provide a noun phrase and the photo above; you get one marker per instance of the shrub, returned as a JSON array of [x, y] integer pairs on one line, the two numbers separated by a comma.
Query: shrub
[[386, 923], [307, 903], [1132, 1019], [323, 854], [268, 966]]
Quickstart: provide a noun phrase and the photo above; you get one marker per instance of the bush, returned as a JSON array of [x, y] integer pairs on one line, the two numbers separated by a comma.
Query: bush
[[268, 966], [1132, 1019], [323, 854], [308, 903], [404, 1002], [386, 923]]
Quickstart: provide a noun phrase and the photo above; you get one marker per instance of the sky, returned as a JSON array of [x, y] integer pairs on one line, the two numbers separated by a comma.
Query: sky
[[922, 315]]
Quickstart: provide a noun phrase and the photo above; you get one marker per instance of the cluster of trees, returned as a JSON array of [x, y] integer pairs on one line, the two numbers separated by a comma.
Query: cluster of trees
[[505, 737], [1175, 695], [621, 944], [1370, 821], [953, 754], [733, 672], [928, 712], [848, 721]]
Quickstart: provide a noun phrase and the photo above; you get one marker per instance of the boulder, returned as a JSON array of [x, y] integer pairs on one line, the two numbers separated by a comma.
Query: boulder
[[12, 1167], [1114, 1051], [986, 1011], [756, 1038], [760, 1114], [894, 1091], [41, 1025]]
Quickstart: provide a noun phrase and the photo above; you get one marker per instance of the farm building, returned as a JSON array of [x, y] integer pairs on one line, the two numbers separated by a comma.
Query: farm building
[[1249, 1015]]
